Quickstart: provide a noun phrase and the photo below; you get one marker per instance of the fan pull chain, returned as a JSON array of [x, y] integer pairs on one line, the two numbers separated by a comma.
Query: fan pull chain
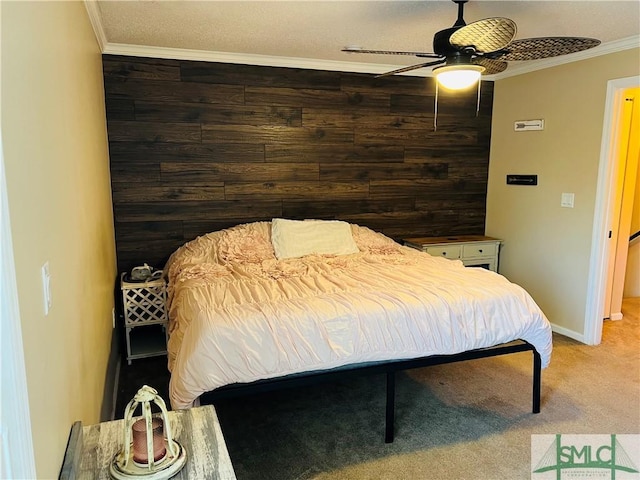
[[478, 104], [435, 111]]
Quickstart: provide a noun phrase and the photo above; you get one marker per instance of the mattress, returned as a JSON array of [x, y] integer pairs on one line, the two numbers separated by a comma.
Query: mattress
[[238, 314]]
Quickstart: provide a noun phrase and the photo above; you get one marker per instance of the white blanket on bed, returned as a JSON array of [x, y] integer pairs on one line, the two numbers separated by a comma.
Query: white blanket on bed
[[237, 314]]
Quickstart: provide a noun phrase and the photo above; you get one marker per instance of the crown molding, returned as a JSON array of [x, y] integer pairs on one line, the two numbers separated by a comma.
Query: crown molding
[[340, 66], [96, 22], [246, 59]]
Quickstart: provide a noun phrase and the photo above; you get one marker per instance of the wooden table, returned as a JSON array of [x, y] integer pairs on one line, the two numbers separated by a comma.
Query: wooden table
[[92, 448]]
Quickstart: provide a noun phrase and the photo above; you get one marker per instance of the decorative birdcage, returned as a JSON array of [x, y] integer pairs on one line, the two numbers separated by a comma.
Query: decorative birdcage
[[149, 450]]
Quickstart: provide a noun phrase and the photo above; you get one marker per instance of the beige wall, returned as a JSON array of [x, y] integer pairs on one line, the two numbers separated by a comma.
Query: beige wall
[[547, 247], [57, 171]]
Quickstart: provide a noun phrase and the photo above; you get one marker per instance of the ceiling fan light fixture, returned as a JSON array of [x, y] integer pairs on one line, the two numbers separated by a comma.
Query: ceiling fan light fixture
[[458, 77]]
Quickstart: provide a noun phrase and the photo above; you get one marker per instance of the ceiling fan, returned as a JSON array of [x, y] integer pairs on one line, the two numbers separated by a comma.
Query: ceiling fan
[[482, 47]]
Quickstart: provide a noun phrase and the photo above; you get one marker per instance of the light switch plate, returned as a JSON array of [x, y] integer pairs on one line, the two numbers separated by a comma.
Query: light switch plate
[[567, 200], [46, 288]]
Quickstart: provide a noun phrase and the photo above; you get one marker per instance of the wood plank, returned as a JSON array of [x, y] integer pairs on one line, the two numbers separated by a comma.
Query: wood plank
[[197, 211], [203, 173], [133, 69], [307, 97], [120, 109], [418, 186], [309, 190], [124, 193], [399, 221], [165, 91], [461, 202], [395, 84], [476, 174], [449, 152], [330, 208], [363, 171], [125, 131], [334, 153], [273, 135], [318, 117], [250, 75], [413, 137], [134, 173], [217, 114], [144, 60], [131, 152], [127, 232]]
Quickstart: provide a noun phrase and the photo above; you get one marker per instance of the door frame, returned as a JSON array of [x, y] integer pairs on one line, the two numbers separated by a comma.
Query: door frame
[[605, 193], [16, 442]]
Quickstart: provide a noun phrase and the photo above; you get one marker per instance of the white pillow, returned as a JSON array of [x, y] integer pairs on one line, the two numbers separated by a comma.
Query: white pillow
[[297, 238]]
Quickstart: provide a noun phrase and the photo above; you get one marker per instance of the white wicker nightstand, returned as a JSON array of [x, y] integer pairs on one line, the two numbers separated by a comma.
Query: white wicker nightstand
[[144, 306]]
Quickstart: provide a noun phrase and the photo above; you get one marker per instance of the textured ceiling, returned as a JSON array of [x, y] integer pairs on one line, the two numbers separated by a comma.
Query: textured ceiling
[[317, 30]]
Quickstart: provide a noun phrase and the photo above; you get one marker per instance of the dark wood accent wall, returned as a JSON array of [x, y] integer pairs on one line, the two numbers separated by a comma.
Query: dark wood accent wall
[[199, 146]]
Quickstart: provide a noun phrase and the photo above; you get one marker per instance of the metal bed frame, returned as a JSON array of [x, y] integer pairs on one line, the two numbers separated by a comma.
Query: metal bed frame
[[389, 368]]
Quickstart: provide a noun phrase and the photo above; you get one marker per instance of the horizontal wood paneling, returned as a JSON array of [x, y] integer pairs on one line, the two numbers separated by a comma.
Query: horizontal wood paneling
[[198, 146], [165, 91], [133, 153], [343, 153], [309, 190], [205, 173], [210, 114], [274, 135], [121, 131], [247, 75], [123, 193]]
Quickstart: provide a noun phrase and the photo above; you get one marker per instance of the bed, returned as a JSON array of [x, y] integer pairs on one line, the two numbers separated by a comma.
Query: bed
[[285, 302]]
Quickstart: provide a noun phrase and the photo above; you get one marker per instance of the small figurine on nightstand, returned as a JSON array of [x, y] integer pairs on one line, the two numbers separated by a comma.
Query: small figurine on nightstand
[[144, 273]]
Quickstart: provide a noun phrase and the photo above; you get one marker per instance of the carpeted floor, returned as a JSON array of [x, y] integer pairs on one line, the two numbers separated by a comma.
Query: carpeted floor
[[467, 420]]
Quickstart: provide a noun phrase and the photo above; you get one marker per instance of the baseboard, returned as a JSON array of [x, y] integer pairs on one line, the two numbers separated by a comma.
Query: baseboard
[[568, 333], [107, 412], [616, 316]]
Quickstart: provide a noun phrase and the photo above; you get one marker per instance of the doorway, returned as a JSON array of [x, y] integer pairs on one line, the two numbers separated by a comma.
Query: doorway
[[624, 191], [605, 199]]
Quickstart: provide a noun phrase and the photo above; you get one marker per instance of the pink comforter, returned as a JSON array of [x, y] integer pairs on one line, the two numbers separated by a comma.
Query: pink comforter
[[237, 314]]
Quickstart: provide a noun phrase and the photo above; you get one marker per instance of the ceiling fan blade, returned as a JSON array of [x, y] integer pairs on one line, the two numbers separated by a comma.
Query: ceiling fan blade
[[545, 47], [412, 67], [491, 66], [485, 36], [390, 52]]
